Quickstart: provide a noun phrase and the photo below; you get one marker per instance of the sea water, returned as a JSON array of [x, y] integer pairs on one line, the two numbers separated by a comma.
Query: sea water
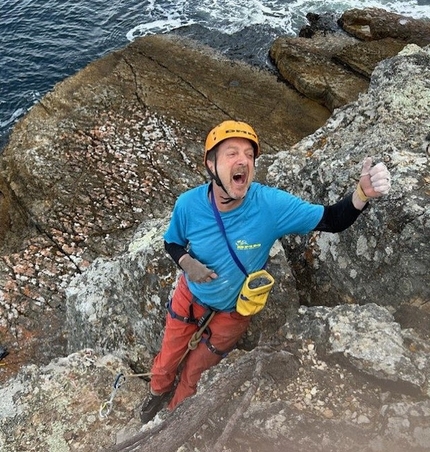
[[44, 41]]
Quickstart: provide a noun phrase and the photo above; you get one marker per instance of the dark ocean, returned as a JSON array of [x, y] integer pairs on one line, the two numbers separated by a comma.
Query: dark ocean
[[43, 42]]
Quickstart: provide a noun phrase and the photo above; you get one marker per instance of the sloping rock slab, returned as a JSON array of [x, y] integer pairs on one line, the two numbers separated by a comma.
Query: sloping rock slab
[[307, 64], [108, 149], [364, 56]]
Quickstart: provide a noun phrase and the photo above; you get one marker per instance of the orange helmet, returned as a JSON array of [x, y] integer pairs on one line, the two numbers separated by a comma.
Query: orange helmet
[[231, 129]]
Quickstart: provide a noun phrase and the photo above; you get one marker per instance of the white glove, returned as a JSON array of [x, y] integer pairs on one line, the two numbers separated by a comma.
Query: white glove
[[374, 181], [196, 271]]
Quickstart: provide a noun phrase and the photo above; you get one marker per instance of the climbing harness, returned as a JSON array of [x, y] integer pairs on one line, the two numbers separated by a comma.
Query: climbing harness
[[213, 349], [197, 337], [203, 327], [189, 319]]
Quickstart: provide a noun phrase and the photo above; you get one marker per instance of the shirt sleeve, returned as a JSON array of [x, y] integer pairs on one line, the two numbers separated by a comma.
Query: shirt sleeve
[[339, 216], [177, 228], [175, 251], [294, 215]]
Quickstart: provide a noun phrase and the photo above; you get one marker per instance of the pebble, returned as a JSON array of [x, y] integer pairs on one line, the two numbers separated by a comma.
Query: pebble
[[362, 419], [328, 413]]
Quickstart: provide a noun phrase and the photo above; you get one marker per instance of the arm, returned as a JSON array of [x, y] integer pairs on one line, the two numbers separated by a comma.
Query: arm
[[196, 271], [175, 251], [339, 216]]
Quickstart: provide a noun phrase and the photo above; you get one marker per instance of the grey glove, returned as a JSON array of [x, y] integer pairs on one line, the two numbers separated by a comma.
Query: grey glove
[[196, 271]]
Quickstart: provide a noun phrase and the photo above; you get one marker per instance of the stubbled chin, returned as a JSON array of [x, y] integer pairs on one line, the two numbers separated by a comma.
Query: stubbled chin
[[239, 190]]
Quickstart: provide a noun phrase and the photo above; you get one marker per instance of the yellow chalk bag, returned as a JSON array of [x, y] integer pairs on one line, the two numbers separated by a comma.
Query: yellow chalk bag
[[254, 293]]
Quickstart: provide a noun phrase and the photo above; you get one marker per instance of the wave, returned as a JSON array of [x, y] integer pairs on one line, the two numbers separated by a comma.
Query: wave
[[44, 42]]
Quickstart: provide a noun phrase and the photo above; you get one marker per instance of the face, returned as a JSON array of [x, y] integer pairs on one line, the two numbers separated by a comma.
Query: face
[[235, 166]]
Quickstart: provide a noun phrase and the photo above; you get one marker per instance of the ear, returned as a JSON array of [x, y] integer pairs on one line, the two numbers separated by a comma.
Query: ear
[[211, 165]]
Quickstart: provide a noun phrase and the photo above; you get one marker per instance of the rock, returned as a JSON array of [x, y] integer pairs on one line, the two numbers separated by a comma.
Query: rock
[[308, 65], [250, 44], [368, 339], [331, 65], [370, 24], [61, 404], [410, 316], [363, 57], [370, 260], [4, 215], [58, 406], [406, 425], [118, 305], [111, 148], [325, 23]]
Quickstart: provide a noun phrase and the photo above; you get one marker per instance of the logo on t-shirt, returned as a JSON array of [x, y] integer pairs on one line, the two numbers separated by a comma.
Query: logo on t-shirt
[[244, 245]]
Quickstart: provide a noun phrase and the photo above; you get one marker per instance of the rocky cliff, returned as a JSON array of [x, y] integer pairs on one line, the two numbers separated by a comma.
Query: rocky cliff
[[340, 359]]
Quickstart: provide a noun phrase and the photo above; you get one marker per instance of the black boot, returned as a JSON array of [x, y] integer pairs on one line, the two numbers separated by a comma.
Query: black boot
[[152, 405]]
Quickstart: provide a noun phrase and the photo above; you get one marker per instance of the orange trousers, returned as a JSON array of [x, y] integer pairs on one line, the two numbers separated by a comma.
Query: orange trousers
[[226, 329]]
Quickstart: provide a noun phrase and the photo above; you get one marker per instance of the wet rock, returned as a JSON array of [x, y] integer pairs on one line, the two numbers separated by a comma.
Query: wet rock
[[370, 24], [250, 45], [325, 23]]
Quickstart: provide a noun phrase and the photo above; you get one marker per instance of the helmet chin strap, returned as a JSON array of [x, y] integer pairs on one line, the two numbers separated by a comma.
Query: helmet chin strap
[[227, 199]]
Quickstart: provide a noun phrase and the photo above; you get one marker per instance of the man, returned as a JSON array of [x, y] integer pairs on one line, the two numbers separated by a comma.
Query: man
[[254, 216]]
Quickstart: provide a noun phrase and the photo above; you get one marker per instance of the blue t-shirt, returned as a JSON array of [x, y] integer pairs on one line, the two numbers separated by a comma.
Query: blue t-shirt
[[265, 215]]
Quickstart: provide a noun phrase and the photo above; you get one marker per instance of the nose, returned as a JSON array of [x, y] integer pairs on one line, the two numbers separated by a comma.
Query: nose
[[242, 159]]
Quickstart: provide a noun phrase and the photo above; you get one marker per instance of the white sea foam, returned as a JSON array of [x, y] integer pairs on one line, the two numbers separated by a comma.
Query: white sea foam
[[230, 16], [16, 114], [65, 37]]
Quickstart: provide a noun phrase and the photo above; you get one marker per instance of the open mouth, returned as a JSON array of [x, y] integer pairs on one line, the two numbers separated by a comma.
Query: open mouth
[[239, 178]]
